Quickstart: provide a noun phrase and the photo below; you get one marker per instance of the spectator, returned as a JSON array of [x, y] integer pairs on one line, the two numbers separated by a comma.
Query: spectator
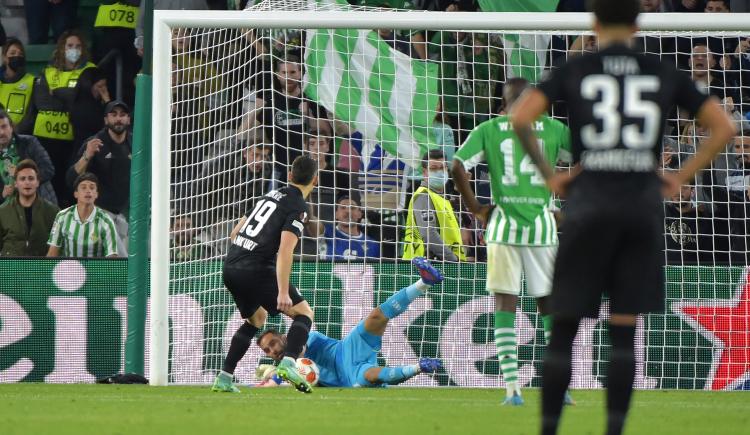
[[470, 65], [184, 245], [234, 181], [17, 147], [85, 116], [26, 219], [165, 5], [344, 238], [116, 31], [702, 67], [107, 156], [689, 230], [432, 230], [410, 45], [45, 15], [68, 74], [688, 5], [727, 186], [83, 229], [651, 6], [258, 176], [16, 85], [717, 6], [286, 108]]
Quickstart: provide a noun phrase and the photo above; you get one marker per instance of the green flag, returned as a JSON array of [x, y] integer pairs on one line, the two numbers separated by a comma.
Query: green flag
[[384, 94], [526, 54]]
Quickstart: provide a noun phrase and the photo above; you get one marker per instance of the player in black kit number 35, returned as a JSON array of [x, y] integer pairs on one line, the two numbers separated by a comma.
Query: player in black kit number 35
[[257, 270], [612, 229]]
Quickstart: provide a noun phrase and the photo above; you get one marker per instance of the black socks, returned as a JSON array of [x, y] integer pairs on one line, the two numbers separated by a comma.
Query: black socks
[[296, 338], [239, 345]]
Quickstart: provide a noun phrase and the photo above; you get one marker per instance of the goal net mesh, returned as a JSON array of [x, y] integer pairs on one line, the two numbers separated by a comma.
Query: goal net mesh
[[367, 105]]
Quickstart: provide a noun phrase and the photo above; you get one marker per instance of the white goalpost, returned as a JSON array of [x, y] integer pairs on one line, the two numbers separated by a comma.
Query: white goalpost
[[217, 137]]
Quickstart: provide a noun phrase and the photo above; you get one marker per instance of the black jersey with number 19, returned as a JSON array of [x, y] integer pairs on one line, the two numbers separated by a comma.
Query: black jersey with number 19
[[258, 240], [612, 232]]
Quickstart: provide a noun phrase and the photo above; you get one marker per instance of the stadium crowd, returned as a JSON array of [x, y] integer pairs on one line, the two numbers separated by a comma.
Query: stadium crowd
[[69, 126]]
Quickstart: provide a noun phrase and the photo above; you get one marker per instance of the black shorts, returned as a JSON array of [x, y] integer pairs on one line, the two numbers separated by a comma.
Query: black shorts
[[619, 254], [254, 288]]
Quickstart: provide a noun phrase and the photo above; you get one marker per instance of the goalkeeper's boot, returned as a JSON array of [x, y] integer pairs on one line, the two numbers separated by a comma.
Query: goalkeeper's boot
[[429, 365], [568, 399], [514, 400], [427, 272], [224, 383], [287, 370]]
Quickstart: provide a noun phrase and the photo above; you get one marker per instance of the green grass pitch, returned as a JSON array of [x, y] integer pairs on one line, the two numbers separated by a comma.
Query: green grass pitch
[[129, 409]]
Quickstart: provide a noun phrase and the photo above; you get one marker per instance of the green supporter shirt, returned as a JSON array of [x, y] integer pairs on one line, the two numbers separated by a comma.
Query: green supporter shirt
[[94, 237], [523, 216]]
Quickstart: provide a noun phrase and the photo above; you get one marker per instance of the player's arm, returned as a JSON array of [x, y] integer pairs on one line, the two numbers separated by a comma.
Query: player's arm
[[236, 229], [284, 268], [53, 251], [461, 182], [712, 117], [530, 106]]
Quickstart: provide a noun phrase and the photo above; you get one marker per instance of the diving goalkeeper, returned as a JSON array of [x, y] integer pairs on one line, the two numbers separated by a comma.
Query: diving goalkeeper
[[352, 361]]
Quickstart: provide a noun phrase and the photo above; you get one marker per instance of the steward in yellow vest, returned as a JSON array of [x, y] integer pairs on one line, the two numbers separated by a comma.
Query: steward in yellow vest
[[16, 85], [432, 229]]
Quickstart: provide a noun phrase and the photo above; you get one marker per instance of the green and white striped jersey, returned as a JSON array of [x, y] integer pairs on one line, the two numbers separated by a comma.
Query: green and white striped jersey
[[94, 237], [523, 216]]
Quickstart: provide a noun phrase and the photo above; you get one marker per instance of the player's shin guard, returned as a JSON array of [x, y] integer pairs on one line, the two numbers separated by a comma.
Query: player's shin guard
[[297, 336], [507, 352], [399, 302], [397, 375], [239, 345], [620, 376], [557, 372]]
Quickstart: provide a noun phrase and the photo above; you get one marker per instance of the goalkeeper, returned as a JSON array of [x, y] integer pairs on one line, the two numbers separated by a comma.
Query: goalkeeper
[[352, 361]]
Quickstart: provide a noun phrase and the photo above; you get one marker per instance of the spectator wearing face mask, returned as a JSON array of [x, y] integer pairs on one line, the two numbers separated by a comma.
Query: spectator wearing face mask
[[16, 85], [432, 229], [68, 74]]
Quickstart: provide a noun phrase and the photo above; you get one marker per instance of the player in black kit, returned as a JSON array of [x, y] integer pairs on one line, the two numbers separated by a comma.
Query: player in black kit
[[257, 271], [612, 239]]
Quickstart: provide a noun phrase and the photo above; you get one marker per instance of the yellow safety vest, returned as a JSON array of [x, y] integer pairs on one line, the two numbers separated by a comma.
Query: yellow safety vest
[[56, 124], [15, 97], [117, 15], [450, 232]]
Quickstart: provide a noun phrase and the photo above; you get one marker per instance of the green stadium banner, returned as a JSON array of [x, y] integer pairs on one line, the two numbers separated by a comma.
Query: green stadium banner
[[65, 321]]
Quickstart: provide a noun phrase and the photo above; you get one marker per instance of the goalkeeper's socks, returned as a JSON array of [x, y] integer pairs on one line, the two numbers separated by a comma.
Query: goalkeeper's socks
[[239, 345], [397, 375], [296, 338], [621, 373], [399, 302], [557, 371], [507, 353]]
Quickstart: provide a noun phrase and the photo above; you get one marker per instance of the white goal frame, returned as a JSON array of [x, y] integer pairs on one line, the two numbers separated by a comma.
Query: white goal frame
[[164, 21]]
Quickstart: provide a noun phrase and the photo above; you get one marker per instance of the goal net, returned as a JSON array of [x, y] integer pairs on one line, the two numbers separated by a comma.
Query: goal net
[[237, 99]]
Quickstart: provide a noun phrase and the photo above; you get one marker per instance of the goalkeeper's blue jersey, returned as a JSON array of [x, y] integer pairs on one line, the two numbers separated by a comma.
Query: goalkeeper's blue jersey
[[343, 363], [323, 349]]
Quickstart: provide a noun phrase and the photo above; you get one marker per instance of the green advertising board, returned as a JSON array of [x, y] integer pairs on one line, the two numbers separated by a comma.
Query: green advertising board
[[64, 321]]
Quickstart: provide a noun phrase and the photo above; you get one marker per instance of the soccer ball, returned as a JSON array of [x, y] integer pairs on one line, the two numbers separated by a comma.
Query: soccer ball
[[309, 370]]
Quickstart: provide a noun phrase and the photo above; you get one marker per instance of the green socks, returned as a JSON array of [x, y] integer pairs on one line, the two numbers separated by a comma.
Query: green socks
[[507, 353]]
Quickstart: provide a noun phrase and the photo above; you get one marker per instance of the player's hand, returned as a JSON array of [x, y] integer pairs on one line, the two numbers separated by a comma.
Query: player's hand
[[283, 302], [558, 183], [92, 147], [670, 184], [484, 212]]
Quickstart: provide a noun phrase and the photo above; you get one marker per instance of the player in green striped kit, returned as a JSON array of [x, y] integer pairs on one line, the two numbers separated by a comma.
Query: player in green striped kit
[[521, 231]]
